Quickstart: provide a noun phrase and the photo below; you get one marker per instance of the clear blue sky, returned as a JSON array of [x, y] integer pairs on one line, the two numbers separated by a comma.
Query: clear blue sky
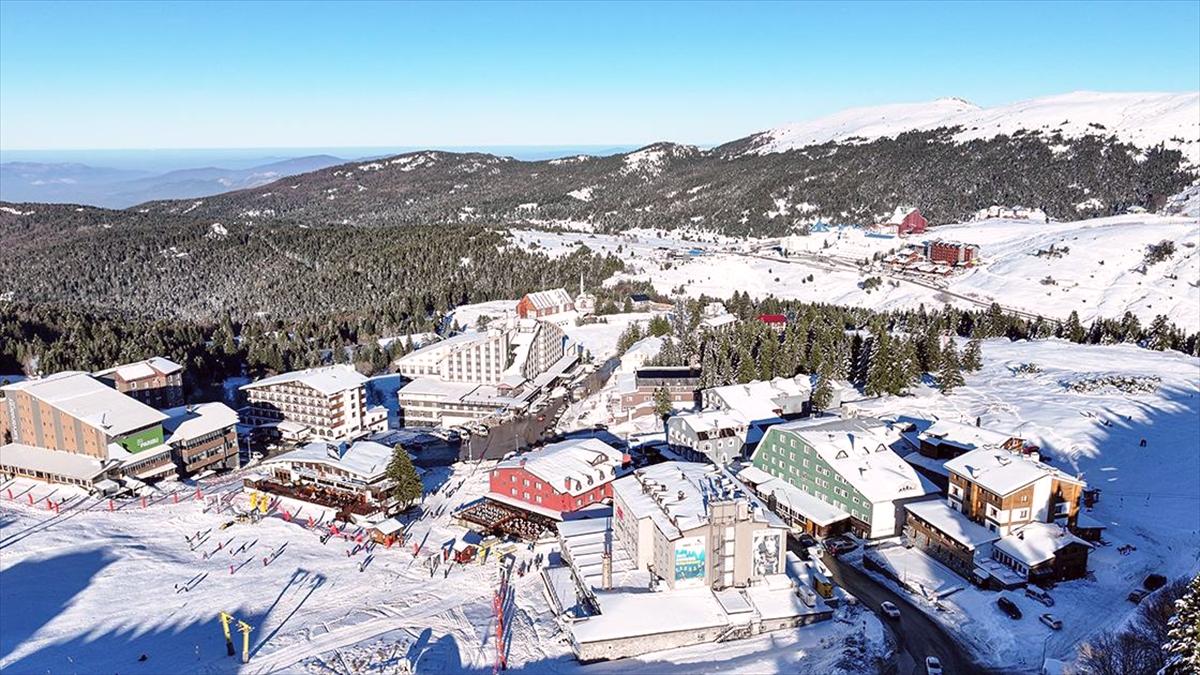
[[194, 74]]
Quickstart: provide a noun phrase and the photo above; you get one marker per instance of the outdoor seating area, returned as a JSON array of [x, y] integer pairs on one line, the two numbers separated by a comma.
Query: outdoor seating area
[[345, 504], [494, 518]]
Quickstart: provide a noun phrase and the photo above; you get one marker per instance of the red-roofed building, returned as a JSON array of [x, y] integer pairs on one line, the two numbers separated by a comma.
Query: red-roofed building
[[776, 321], [912, 223]]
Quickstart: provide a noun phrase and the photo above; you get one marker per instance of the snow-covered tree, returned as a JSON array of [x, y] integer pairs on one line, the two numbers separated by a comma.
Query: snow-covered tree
[[1183, 635], [1158, 337], [972, 359], [950, 376]]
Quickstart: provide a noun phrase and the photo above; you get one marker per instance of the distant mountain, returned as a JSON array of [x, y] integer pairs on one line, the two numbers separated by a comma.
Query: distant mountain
[[120, 188], [1143, 119]]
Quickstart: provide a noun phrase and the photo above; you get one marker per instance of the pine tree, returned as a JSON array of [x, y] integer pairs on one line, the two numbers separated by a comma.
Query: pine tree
[[1158, 337], [950, 375], [1073, 329], [1183, 636], [822, 394], [662, 403], [882, 365], [407, 486], [972, 359]]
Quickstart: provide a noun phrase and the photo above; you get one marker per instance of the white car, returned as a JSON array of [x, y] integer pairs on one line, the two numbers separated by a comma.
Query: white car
[[933, 666], [890, 609]]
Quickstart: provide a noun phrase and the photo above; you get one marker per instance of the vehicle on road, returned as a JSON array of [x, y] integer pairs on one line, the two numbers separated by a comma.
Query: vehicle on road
[[1009, 607], [1040, 595], [933, 666], [1136, 596], [1051, 621], [806, 540], [840, 545], [889, 608]]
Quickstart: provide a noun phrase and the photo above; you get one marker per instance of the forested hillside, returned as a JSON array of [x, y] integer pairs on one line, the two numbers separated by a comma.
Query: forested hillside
[[167, 266], [724, 189]]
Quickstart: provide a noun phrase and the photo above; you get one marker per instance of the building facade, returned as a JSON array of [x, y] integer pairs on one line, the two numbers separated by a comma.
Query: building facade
[[203, 437], [953, 253], [682, 384], [544, 304], [330, 402], [558, 478], [156, 381]]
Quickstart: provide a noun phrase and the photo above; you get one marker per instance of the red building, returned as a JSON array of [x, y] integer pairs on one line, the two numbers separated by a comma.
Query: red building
[[951, 253], [912, 223], [544, 303], [559, 478], [776, 321]]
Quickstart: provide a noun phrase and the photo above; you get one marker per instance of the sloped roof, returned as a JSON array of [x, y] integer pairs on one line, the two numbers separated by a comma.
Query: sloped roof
[[587, 462], [952, 523], [193, 421], [142, 369], [366, 459], [327, 380], [963, 435], [553, 298], [90, 401], [1002, 472], [1036, 543]]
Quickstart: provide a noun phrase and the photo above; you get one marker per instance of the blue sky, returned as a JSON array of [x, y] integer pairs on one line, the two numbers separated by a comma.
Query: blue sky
[[203, 75]]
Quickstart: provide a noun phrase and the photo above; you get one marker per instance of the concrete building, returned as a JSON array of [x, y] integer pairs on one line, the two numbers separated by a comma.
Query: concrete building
[[156, 381], [71, 428], [559, 478], [203, 437], [479, 357], [717, 436], [682, 384], [329, 403], [848, 464]]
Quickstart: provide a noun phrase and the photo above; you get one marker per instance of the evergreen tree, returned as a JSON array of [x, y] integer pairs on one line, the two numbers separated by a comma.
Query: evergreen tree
[[1158, 337], [882, 367], [1073, 329], [746, 370], [662, 403], [950, 376], [407, 487], [1183, 635], [972, 359], [631, 334], [822, 394]]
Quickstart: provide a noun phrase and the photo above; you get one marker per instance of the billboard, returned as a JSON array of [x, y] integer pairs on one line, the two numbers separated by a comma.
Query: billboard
[[766, 554], [689, 561]]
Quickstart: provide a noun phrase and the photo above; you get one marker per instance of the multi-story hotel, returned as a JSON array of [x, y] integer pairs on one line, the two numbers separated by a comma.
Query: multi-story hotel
[[156, 381], [328, 403], [71, 428], [827, 475]]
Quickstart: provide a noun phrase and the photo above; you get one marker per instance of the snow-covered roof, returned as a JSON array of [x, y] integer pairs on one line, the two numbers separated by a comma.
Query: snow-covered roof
[[138, 370], [366, 459], [761, 399], [1036, 543], [327, 379], [92, 402], [1002, 472], [68, 464], [573, 466], [964, 436], [677, 495], [859, 449], [433, 386], [551, 299], [718, 321], [193, 421], [952, 523], [798, 501], [712, 420]]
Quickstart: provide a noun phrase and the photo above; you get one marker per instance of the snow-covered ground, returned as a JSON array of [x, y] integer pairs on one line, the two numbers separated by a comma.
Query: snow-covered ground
[[1100, 274], [92, 590], [1144, 119], [1075, 407]]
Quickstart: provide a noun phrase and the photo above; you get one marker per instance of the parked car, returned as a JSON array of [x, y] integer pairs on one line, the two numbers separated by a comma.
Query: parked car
[[1040, 595], [889, 608], [806, 540], [933, 666], [1009, 607], [1051, 621], [1136, 596], [839, 545], [1154, 582]]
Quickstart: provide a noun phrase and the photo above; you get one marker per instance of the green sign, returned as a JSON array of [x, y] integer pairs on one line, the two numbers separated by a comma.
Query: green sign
[[143, 440]]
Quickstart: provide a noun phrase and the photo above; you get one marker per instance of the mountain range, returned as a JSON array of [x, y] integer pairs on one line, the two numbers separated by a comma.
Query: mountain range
[[75, 183]]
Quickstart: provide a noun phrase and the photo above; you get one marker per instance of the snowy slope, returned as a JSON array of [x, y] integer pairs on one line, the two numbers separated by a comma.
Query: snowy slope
[[1150, 496], [1144, 119]]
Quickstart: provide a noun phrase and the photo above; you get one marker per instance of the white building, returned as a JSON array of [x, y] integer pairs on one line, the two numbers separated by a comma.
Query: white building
[[329, 402]]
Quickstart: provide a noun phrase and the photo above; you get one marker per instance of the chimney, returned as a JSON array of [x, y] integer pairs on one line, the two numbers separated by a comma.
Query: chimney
[[606, 568]]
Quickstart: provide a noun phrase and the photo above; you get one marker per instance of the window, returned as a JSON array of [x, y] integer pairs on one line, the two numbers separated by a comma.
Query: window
[[1022, 514]]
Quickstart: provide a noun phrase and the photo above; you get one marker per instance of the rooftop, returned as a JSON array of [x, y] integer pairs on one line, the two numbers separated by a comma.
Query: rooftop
[[964, 436], [764, 399], [366, 459], [798, 501], [677, 495], [577, 464], [1036, 543], [1002, 472], [952, 523], [860, 450], [68, 464], [550, 299], [327, 380], [92, 402], [194, 421], [142, 369]]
